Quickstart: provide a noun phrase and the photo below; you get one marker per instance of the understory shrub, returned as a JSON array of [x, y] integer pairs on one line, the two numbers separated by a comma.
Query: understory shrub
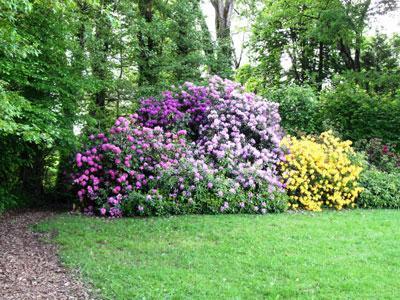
[[381, 155], [298, 107], [380, 189], [9, 200], [212, 149], [358, 115], [319, 172]]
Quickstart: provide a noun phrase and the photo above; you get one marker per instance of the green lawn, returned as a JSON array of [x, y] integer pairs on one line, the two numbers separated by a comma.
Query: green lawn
[[329, 255]]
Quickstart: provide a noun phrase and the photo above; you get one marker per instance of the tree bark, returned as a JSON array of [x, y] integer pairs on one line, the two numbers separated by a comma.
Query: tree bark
[[223, 16], [357, 53], [32, 174], [320, 66], [100, 57], [147, 45], [345, 53]]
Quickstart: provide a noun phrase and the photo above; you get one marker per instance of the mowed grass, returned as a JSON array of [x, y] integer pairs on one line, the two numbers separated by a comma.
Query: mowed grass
[[329, 255]]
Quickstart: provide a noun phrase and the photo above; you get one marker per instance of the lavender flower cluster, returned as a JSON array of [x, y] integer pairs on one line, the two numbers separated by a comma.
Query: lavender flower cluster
[[243, 132]]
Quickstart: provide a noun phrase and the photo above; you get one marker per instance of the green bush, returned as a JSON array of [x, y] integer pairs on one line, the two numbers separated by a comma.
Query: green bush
[[381, 190], [277, 203], [203, 201], [298, 107], [8, 200], [382, 156], [357, 115]]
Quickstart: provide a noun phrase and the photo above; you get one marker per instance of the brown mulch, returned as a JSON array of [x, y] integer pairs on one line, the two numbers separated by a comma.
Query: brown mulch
[[29, 267]]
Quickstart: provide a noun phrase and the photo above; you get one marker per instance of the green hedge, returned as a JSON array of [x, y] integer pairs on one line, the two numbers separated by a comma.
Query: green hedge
[[9, 200], [381, 190], [358, 115]]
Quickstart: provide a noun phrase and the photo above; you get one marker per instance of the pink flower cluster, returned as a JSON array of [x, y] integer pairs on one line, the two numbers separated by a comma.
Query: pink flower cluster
[[125, 159]]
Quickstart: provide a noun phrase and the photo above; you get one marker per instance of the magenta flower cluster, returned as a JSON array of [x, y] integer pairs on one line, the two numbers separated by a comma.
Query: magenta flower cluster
[[127, 158], [212, 142], [185, 107]]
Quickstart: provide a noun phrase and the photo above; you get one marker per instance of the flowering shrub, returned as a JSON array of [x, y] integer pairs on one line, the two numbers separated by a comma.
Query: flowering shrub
[[208, 190], [181, 109], [144, 166], [383, 156], [241, 134], [319, 172], [237, 131], [128, 158], [192, 187]]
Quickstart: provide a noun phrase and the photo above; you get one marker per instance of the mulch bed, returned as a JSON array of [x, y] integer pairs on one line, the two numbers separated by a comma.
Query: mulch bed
[[29, 268]]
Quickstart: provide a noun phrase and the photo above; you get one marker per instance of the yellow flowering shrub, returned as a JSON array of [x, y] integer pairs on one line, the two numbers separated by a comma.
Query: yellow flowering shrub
[[318, 172]]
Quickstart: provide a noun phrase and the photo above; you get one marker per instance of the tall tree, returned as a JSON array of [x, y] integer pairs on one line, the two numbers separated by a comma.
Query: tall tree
[[318, 38], [80, 73], [186, 17], [170, 46], [223, 16], [39, 92], [148, 45], [103, 35]]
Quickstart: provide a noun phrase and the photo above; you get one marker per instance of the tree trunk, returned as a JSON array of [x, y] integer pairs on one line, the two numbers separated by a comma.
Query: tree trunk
[[147, 45], [357, 54], [32, 174], [345, 53], [320, 78], [223, 16], [100, 57], [208, 46]]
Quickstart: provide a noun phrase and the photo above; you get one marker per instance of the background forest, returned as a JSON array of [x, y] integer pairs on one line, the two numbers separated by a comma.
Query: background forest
[[68, 68]]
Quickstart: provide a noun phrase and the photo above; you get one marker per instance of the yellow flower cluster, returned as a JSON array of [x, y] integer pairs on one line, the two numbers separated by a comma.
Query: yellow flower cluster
[[318, 172]]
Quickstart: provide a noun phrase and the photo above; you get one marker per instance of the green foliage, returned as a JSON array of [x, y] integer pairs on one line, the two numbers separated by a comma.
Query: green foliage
[[171, 44], [357, 115], [381, 189], [293, 30], [187, 56], [39, 90], [317, 39], [322, 44], [298, 107], [9, 201], [382, 156], [381, 60], [14, 42], [83, 72], [277, 203], [203, 200]]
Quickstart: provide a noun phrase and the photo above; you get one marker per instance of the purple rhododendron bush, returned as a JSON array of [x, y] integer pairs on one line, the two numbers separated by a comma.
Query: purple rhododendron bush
[[199, 149]]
